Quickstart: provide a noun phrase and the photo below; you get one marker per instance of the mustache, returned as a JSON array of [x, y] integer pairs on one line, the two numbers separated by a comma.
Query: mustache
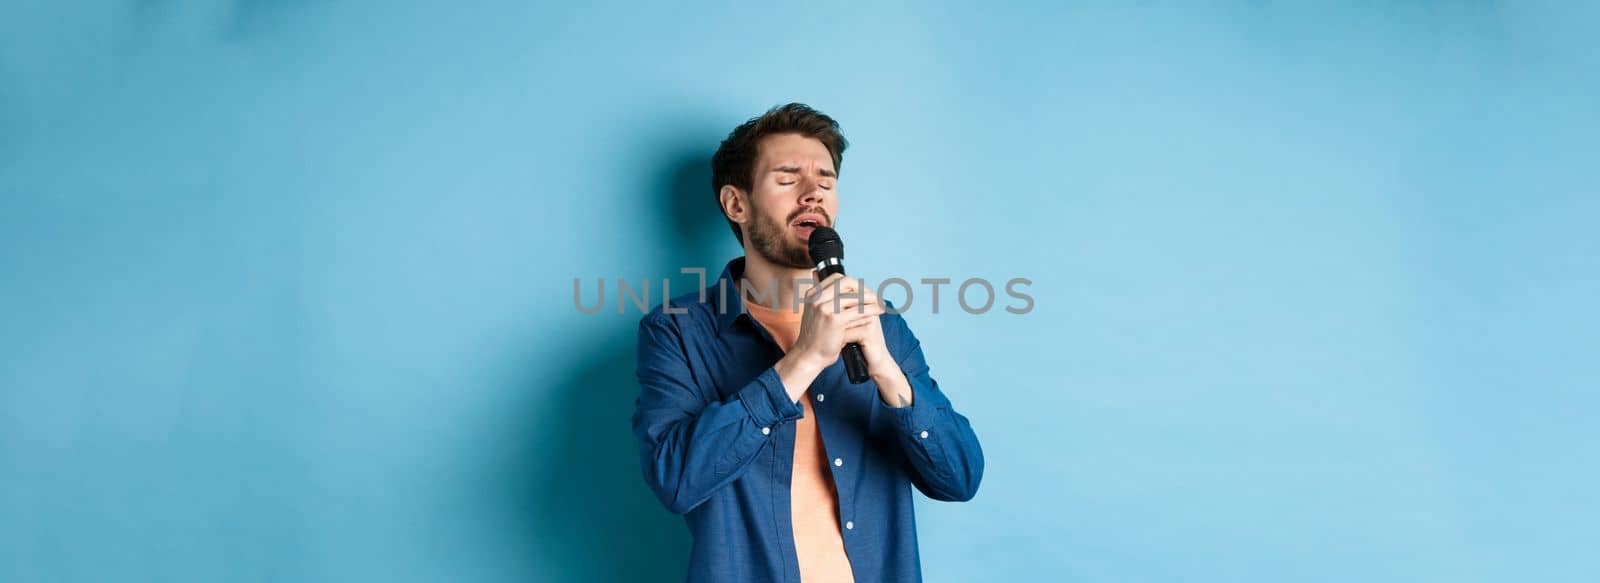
[[810, 209]]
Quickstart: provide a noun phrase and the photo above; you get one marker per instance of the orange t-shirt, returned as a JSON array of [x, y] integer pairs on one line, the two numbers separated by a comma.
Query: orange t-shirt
[[813, 498]]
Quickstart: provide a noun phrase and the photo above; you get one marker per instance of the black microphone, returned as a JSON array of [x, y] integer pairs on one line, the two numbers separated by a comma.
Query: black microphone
[[827, 251]]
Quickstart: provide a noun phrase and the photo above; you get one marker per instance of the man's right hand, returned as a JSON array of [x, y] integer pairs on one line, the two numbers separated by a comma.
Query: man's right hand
[[833, 312]]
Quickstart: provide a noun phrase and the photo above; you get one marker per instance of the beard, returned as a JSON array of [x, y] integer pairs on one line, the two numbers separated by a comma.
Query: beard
[[772, 243]]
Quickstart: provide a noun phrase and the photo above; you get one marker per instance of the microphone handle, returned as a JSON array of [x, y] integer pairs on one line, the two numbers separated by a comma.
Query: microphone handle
[[855, 363]]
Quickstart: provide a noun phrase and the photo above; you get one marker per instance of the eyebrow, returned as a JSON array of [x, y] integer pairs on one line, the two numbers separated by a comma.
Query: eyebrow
[[796, 170]]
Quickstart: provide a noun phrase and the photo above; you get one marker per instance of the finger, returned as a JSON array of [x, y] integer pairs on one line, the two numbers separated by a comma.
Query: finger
[[852, 306], [849, 284], [821, 290], [840, 302], [860, 320], [842, 283], [851, 301], [862, 334], [858, 306], [848, 290]]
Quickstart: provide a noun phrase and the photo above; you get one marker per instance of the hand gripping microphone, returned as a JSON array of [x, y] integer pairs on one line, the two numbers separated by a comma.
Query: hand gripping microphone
[[827, 251]]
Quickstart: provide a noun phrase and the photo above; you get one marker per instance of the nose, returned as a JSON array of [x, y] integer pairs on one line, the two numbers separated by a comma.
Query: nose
[[812, 194]]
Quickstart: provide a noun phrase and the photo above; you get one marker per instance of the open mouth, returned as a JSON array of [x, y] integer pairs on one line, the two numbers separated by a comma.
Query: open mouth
[[807, 223]]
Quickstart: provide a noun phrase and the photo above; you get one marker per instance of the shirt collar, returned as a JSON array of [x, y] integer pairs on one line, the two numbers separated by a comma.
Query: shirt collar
[[725, 297]]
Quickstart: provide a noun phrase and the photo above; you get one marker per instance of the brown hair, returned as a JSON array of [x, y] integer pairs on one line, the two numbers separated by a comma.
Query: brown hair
[[735, 160]]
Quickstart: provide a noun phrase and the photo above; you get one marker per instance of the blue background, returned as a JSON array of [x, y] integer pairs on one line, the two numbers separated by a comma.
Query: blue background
[[287, 285]]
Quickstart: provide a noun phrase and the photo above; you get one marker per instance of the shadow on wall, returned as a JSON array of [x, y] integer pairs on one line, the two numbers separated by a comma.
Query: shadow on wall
[[577, 479]]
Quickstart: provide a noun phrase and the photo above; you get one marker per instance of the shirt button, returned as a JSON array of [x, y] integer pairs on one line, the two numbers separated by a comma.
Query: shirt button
[[838, 462], [924, 434], [849, 525], [767, 430], [820, 396]]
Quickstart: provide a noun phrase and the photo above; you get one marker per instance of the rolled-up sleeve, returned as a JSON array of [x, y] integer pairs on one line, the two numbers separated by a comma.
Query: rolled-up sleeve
[[691, 444], [939, 443]]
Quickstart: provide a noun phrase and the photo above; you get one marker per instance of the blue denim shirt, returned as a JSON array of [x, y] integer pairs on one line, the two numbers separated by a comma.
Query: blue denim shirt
[[716, 442]]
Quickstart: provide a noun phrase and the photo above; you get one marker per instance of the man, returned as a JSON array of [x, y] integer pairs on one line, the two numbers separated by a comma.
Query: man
[[746, 420]]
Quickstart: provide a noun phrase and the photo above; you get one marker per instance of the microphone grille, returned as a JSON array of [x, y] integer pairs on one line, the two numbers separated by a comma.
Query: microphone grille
[[824, 244]]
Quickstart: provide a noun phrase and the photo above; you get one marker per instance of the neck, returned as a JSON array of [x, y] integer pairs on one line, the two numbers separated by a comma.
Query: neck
[[773, 285]]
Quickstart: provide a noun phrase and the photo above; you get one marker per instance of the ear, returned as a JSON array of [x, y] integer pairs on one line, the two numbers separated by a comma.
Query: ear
[[735, 204]]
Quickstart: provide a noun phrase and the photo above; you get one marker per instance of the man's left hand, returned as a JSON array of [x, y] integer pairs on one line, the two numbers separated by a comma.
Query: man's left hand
[[893, 388]]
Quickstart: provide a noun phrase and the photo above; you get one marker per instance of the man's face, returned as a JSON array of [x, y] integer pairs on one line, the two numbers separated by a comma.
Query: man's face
[[793, 191]]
